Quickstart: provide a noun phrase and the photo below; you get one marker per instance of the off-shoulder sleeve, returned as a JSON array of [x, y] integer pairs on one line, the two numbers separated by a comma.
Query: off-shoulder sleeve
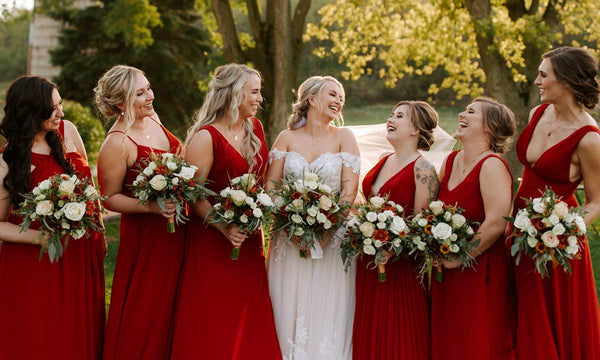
[[351, 161], [276, 154]]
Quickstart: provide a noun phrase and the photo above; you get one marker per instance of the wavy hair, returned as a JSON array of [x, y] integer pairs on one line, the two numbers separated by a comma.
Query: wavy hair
[[313, 86], [500, 120], [28, 105], [424, 118], [222, 101]]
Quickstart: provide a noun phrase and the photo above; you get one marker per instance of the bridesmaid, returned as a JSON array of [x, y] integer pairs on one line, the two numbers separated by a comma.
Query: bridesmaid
[[223, 305], [558, 316], [47, 311], [472, 314], [392, 318], [149, 259]]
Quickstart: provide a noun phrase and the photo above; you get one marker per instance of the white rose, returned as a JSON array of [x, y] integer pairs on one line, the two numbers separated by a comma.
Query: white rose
[[65, 225], [448, 216], [249, 180], [382, 217], [378, 243], [171, 165], [147, 171], [167, 155], [44, 185], [381, 225], [243, 219], [554, 219], [66, 187], [327, 225], [568, 218], [396, 242], [572, 250], [175, 181], [257, 213], [377, 201], [236, 180], [311, 184], [550, 239], [546, 222], [187, 172], [299, 231], [531, 241], [470, 231], [454, 248], [572, 240], [324, 188], [264, 199], [561, 209], [296, 218], [389, 213], [321, 218], [40, 197], [371, 216], [158, 182], [453, 237], [312, 211], [278, 201], [369, 250], [238, 197], [58, 214], [249, 201], [522, 222], [367, 229], [436, 207], [416, 239], [228, 214], [441, 231], [398, 225], [422, 222], [558, 229], [399, 208], [311, 177], [325, 202], [421, 245], [90, 192], [74, 211], [78, 234], [152, 166], [297, 204], [367, 241], [44, 208], [310, 220], [539, 207], [224, 192], [580, 224], [352, 221], [36, 191], [458, 220], [532, 231]]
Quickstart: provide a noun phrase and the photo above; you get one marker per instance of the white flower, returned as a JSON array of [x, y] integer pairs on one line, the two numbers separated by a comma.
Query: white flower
[[311, 177], [278, 201], [352, 221], [175, 181], [369, 250], [90, 192], [378, 243], [568, 218], [382, 217], [44, 185], [167, 155], [396, 242], [74, 211], [249, 180], [187, 172], [296, 218], [321, 218], [448, 216], [36, 191], [558, 229], [554, 219], [531, 241], [398, 225], [572, 250], [454, 248], [40, 197], [78, 234], [224, 192], [243, 219], [371, 216], [580, 224], [572, 240], [377, 201], [546, 222], [299, 231], [441, 231], [550, 239], [389, 213], [310, 220], [561, 209], [539, 206], [436, 207], [312, 211], [381, 225], [325, 203], [522, 222], [148, 171], [66, 187], [327, 225], [422, 222], [367, 241], [237, 196], [171, 165], [421, 245], [58, 214], [44, 208], [65, 225], [249, 201], [228, 214], [298, 204], [367, 229], [264, 199], [531, 230], [458, 220], [158, 182], [152, 166], [257, 213], [324, 188], [453, 237], [470, 231], [311, 184]]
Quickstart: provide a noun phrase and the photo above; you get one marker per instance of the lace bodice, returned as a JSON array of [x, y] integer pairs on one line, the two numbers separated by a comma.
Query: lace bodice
[[327, 165]]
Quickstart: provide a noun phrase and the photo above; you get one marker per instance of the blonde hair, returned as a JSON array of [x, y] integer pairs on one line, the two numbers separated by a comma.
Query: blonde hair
[[424, 118], [313, 86], [224, 96], [500, 120], [117, 87]]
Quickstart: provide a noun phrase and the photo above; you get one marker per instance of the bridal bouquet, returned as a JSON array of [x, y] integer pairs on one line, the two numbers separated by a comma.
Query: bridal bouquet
[[378, 227], [66, 207], [243, 203], [441, 232], [168, 176], [307, 208], [547, 230]]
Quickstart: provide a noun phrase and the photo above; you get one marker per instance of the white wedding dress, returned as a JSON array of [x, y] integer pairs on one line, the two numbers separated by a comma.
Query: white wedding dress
[[313, 299]]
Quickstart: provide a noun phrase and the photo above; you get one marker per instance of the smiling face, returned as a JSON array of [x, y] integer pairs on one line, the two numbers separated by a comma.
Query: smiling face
[[399, 126], [53, 122], [551, 90], [470, 121], [251, 98], [330, 100], [144, 96]]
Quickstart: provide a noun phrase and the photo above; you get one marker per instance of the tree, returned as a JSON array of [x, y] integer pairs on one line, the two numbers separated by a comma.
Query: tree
[[163, 38], [14, 33], [490, 47]]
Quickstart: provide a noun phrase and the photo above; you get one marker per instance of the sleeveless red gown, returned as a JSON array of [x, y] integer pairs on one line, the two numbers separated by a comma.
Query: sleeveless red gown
[[223, 307], [146, 276], [391, 320], [52, 311], [558, 316], [472, 311]]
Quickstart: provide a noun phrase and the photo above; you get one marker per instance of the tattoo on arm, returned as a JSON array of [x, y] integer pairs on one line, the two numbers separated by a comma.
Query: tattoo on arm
[[426, 175]]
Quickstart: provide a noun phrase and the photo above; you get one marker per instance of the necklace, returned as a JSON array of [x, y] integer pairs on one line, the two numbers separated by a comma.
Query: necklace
[[235, 135], [410, 159], [472, 163]]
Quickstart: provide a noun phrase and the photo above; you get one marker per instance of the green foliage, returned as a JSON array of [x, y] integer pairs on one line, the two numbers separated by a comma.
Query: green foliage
[[89, 127], [173, 63], [14, 34], [132, 19]]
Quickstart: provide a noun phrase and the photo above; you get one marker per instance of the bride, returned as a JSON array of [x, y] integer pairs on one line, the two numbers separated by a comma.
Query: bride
[[313, 298]]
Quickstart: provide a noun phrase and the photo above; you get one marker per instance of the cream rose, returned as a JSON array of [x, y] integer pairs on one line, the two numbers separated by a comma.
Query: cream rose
[[454, 248], [310, 220], [377, 201], [147, 171], [90, 192], [312, 211], [78, 234], [572, 240], [381, 225], [378, 243], [229, 214], [382, 217], [297, 203], [311, 177], [550, 239], [171, 165], [44, 208], [441, 231], [561, 209], [299, 231], [158, 182], [558, 229], [44, 185], [321, 218], [257, 213], [324, 188], [187, 172], [325, 202], [327, 225], [436, 207], [522, 222], [66, 187], [168, 155], [398, 225], [238, 197], [458, 220], [369, 250], [371, 216], [367, 229], [264, 199], [531, 241], [422, 222], [243, 219], [572, 250], [296, 218], [74, 211], [580, 224]]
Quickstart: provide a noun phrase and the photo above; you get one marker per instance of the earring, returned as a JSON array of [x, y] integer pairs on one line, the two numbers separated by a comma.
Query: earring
[[122, 113]]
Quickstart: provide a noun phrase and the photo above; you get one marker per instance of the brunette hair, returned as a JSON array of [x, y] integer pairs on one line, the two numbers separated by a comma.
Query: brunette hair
[[424, 118], [500, 121]]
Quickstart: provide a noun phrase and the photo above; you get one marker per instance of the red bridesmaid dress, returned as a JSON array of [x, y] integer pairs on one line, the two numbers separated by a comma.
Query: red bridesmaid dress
[[391, 320], [146, 275], [52, 311], [558, 316], [223, 306], [472, 311]]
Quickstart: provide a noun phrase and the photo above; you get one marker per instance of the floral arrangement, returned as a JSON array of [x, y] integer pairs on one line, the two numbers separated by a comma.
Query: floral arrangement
[[66, 207], [168, 176], [243, 203], [307, 208], [377, 228], [547, 230], [442, 232]]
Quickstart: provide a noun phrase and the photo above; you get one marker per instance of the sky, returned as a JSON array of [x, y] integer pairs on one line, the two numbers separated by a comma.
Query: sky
[[27, 4]]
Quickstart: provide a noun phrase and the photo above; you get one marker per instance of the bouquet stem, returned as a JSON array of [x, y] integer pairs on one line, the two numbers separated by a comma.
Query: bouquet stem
[[235, 252], [171, 225], [381, 270], [303, 253], [439, 274]]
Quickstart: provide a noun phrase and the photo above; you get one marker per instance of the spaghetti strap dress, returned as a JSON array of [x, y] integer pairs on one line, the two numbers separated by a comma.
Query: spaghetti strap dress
[[146, 277], [472, 310], [558, 316]]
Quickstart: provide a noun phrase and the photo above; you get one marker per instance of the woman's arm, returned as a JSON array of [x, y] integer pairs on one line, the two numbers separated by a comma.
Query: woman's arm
[[588, 152], [349, 176], [72, 137], [427, 184]]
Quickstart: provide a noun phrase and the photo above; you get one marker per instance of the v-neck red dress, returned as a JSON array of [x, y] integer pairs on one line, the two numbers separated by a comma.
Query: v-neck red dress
[[391, 319], [52, 311], [558, 316], [472, 311], [146, 276], [223, 306]]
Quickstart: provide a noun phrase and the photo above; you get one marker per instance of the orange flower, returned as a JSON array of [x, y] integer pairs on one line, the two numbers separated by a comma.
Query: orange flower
[[428, 228], [296, 195], [444, 249], [430, 218], [402, 234], [381, 235], [540, 247]]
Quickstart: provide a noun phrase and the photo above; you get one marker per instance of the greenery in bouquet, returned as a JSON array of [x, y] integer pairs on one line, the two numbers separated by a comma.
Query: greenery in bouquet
[[377, 228], [547, 230], [66, 207]]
